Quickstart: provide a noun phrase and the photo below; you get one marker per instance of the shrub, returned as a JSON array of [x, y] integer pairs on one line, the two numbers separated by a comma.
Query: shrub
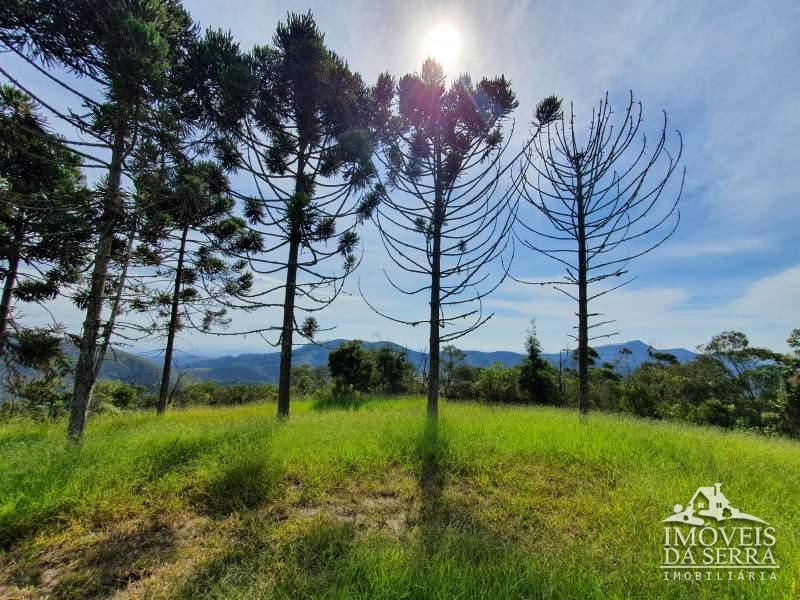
[[214, 394], [307, 380], [393, 374], [498, 384], [120, 395], [713, 412], [351, 368]]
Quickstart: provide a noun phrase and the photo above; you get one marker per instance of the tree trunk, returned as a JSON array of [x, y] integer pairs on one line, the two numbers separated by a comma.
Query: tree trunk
[[85, 367], [583, 308], [433, 342], [287, 331], [166, 373], [8, 288], [108, 328]]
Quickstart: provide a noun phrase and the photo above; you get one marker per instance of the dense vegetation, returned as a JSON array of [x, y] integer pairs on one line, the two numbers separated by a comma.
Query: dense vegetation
[[730, 385]]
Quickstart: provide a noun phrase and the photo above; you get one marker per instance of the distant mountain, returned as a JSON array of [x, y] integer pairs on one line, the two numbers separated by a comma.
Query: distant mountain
[[127, 367], [123, 366], [263, 368], [611, 353]]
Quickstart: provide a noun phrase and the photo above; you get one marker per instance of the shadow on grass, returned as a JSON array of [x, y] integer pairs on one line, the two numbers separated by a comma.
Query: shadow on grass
[[105, 564], [431, 451], [243, 478], [446, 550]]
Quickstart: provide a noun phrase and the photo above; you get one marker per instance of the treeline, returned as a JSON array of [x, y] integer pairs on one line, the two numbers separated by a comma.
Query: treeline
[[162, 239], [730, 384]]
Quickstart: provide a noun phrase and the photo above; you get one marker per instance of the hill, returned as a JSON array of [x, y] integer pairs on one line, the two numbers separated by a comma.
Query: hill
[[255, 368], [120, 365], [263, 368], [496, 503]]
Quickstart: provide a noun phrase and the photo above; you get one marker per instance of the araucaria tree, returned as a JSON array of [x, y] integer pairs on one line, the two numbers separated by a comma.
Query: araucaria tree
[[601, 199], [44, 210], [302, 133], [534, 375], [128, 48], [439, 213], [188, 238]]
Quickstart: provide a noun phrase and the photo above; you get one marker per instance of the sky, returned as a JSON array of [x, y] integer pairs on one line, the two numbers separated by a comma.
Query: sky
[[727, 74]]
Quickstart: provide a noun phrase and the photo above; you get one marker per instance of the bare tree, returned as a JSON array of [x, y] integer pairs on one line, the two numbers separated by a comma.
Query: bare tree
[[600, 200], [439, 215]]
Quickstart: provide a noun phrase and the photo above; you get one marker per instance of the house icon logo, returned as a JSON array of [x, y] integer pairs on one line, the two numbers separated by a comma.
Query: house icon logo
[[708, 502]]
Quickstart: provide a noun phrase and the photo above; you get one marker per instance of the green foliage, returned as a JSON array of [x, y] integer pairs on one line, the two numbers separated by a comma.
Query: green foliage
[[355, 369], [790, 411], [121, 395], [351, 369], [393, 374], [214, 394], [497, 384], [44, 205], [192, 238], [536, 374], [308, 380], [35, 368]]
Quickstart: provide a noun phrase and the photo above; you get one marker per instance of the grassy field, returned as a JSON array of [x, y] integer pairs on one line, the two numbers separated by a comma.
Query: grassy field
[[369, 503]]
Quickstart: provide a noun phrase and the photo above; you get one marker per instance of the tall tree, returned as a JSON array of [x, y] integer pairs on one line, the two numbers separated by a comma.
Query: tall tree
[[439, 214], [189, 238], [534, 377], [600, 198], [127, 48], [733, 350], [44, 209], [298, 123], [791, 379]]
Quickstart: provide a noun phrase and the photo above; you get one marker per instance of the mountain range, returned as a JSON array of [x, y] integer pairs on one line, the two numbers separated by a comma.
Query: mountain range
[[263, 368]]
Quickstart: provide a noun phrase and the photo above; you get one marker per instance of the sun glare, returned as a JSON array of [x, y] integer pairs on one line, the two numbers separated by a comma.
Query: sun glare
[[443, 43]]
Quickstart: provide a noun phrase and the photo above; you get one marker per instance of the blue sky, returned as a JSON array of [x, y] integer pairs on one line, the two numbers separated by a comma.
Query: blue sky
[[727, 74]]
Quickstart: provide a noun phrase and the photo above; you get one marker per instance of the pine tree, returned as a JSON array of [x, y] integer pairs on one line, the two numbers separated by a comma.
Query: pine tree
[[44, 209], [600, 197], [439, 214], [534, 376], [295, 118], [191, 237], [128, 48]]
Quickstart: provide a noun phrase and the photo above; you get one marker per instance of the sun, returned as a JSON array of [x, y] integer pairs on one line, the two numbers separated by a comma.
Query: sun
[[443, 42]]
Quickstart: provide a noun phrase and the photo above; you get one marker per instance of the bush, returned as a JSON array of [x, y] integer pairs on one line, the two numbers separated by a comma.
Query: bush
[[461, 382], [393, 374], [498, 384], [355, 370], [713, 412], [120, 395], [307, 380], [213, 394], [351, 369]]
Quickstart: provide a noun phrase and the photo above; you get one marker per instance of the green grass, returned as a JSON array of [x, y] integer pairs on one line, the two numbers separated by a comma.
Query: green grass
[[369, 503]]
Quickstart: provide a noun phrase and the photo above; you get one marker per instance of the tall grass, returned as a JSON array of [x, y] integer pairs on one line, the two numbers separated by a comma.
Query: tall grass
[[368, 502]]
